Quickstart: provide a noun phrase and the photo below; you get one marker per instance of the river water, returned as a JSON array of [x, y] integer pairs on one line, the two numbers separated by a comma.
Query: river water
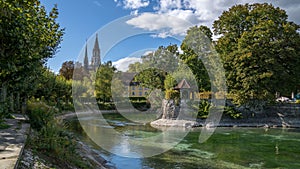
[[226, 148]]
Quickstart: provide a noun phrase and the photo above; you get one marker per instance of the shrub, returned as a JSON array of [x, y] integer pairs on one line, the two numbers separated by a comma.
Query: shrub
[[51, 136], [232, 112], [40, 114], [204, 107], [4, 113], [171, 94]]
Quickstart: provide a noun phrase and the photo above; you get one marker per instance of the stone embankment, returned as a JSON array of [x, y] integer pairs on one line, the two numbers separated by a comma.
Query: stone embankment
[[283, 115]]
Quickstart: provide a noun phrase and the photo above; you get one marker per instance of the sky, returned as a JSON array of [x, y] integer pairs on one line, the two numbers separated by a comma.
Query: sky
[[128, 29]]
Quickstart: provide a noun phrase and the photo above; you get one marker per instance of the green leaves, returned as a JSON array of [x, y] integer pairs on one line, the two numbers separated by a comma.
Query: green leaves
[[260, 51], [28, 37]]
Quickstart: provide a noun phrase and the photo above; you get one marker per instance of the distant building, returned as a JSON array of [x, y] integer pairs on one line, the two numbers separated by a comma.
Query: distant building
[[95, 60], [135, 89]]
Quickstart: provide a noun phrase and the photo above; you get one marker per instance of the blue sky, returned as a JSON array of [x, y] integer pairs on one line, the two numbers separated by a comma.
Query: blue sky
[[150, 24]]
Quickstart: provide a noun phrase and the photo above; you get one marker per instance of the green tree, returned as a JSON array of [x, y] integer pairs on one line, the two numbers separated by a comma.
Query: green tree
[[67, 70], [53, 89], [196, 47], [155, 66], [103, 81], [260, 50], [28, 37], [170, 82], [135, 67]]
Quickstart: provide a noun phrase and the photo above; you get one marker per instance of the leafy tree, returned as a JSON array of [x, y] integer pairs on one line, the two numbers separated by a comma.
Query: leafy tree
[[151, 78], [135, 67], [170, 82], [67, 70], [28, 37], [53, 89], [196, 47], [164, 58], [103, 81], [260, 50], [155, 66]]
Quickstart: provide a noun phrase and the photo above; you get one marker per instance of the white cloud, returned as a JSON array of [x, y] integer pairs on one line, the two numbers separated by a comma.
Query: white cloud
[[166, 5], [135, 12], [133, 4], [148, 52], [97, 3], [164, 24], [197, 12], [122, 64]]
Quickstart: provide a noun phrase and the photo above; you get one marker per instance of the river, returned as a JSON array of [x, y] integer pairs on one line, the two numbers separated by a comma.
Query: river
[[226, 148]]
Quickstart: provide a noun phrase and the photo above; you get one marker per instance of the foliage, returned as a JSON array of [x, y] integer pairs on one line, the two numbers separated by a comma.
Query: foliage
[[135, 67], [67, 70], [4, 107], [232, 112], [196, 47], [106, 106], [151, 78], [164, 58], [103, 81], [170, 82], [50, 136], [260, 50], [55, 90], [40, 114], [28, 37], [172, 94], [155, 66], [204, 107], [184, 72]]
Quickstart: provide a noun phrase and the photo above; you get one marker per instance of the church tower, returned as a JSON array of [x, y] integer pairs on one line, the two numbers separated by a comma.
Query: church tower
[[86, 59], [96, 60]]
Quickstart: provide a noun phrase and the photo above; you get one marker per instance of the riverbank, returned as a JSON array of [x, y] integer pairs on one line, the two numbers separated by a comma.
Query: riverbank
[[19, 150], [37, 160], [272, 118]]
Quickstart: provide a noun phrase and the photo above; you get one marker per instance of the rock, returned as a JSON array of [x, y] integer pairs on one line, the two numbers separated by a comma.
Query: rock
[[174, 123], [169, 109]]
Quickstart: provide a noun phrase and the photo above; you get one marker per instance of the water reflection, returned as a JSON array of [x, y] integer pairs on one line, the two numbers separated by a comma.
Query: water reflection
[[227, 148]]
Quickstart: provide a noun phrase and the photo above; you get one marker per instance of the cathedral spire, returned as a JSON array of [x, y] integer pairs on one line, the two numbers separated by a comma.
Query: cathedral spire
[[96, 60], [86, 59]]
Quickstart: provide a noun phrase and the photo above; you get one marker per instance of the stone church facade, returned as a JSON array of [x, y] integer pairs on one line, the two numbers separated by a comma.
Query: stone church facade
[[95, 60]]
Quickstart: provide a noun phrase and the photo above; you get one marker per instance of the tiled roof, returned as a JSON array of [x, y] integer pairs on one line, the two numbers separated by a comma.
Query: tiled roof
[[183, 85]]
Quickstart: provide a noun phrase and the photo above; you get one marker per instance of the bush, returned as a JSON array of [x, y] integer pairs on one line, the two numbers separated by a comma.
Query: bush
[[171, 94], [40, 114], [51, 136], [232, 112], [204, 107], [4, 113], [106, 106]]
